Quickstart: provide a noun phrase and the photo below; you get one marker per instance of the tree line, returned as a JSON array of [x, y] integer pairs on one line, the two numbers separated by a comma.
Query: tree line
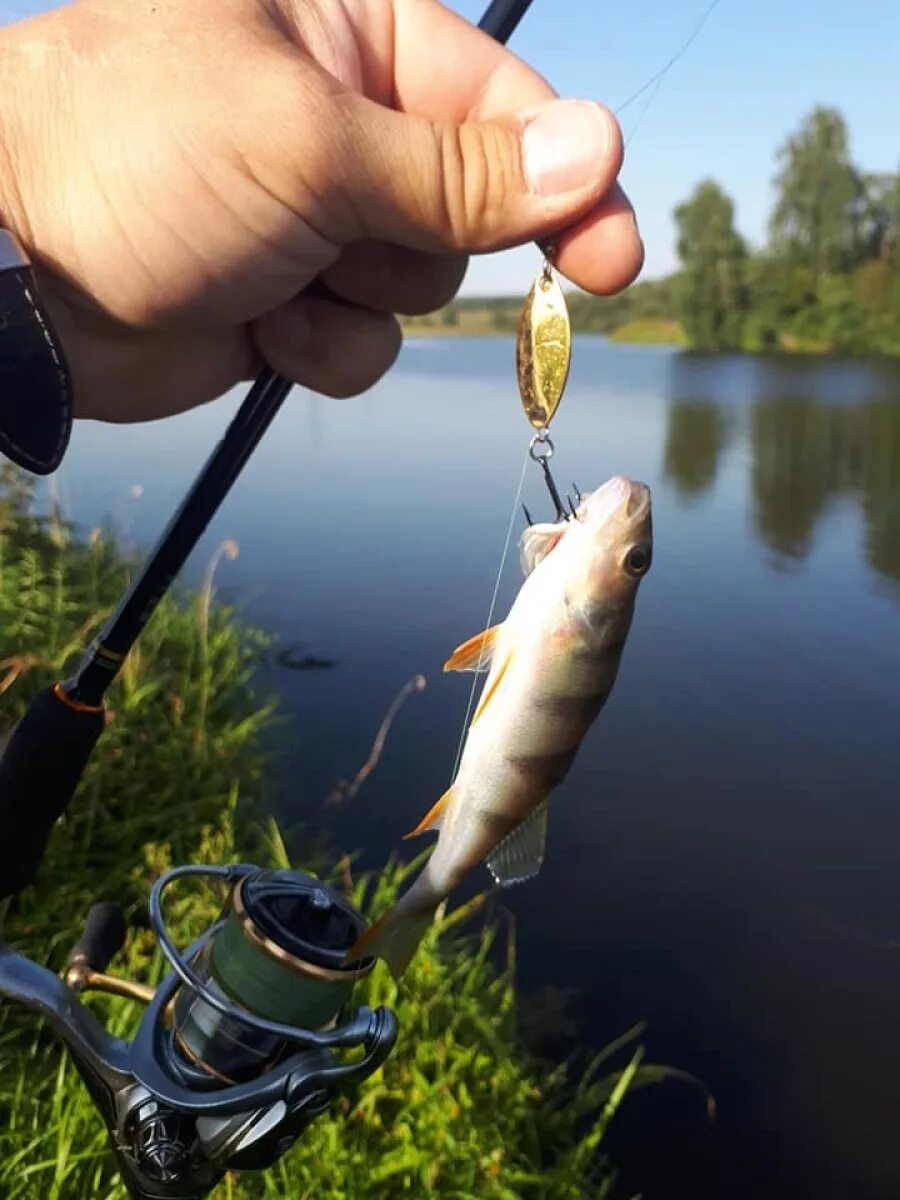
[[829, 277]]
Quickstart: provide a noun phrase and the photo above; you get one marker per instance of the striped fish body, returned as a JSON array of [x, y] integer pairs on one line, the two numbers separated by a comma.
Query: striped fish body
[[547, 685], [553, 663]]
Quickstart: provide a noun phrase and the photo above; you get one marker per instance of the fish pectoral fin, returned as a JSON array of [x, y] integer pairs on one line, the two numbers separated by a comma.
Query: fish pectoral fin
[[433, 818], [476, 653], [537, 542], [520, 855]]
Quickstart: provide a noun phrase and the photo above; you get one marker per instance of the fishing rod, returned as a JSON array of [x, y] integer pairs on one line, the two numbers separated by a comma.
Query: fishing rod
[[50, 747]]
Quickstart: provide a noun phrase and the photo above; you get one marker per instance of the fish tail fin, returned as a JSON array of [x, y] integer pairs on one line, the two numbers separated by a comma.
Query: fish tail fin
[[395, 937]]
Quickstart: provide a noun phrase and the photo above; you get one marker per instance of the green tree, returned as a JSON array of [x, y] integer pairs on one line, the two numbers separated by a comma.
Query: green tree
[[815, 224], [711, 295], [878, 214]]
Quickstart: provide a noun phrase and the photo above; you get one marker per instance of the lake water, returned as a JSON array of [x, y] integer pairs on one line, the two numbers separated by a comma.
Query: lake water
[[724, 857]]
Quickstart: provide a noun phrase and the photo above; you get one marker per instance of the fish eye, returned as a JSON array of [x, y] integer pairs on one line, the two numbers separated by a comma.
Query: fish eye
[[637, 560]]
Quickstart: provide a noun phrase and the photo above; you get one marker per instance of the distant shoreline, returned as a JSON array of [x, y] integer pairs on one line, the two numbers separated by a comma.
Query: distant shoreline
[[644, 332], [478, 324]]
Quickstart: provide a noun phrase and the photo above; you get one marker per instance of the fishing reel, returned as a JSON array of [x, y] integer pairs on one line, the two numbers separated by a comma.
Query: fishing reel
[[247, 1039]]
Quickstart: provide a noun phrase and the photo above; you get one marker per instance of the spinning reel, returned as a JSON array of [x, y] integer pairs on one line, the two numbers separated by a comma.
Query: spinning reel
[[243, 1043]]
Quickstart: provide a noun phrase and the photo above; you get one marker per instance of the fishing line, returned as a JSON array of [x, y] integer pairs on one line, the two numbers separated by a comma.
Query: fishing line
[[652, 85], [490, 617], [664, 70], [643, 112]]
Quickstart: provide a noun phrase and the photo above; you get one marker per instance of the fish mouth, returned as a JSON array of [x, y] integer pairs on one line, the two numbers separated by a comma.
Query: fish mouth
[[620, 496], [638, 504]]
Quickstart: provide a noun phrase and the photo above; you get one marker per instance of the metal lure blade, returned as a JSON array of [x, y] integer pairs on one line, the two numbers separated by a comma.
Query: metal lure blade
[[543, 349]]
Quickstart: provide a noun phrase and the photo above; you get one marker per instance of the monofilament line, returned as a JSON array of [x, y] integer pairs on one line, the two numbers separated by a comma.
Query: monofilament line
[[490, 617], [656, 79]]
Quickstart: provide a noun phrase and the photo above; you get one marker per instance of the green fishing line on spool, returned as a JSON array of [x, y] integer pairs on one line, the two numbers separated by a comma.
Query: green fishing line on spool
[[278, 954], [301, 985]]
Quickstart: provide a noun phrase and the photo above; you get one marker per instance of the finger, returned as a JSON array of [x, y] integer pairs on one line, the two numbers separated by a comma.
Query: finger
[[332, 348], [603, 252], [124, 375], [395, 279], [475, 187], [417, 56]]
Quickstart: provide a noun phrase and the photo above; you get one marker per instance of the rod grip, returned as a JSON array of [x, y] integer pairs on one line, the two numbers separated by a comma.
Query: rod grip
[[103, 937], [39, 772]]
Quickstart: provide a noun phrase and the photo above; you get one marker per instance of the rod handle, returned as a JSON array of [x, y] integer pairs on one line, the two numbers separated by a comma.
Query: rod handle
[[102, 939], [41, 767]]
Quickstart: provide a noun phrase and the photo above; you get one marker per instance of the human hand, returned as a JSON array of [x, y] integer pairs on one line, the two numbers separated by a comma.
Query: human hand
[[180, 170]]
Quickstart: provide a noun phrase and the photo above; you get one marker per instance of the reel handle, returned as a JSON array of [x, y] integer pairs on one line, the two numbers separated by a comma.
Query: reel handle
[[40, 769], [102, 939]]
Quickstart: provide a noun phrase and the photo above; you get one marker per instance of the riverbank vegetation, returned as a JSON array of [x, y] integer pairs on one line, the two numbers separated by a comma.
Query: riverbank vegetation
[[460, 1109], [826, 281]]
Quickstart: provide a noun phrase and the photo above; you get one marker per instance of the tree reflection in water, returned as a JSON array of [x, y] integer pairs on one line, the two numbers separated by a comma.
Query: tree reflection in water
[[805, 453], [695, 439]]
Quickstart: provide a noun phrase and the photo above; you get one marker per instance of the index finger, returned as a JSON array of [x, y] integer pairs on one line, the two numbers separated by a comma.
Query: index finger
[[447, 69]]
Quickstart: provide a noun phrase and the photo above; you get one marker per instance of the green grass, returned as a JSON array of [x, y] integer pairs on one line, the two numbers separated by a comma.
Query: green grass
[[459, 1110], [649, 331]]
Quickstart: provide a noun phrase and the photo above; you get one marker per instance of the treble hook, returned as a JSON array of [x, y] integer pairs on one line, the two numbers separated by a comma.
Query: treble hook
[[542, 458]]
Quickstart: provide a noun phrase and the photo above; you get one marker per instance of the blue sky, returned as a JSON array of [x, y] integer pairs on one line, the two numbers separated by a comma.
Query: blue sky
[[755, 69]]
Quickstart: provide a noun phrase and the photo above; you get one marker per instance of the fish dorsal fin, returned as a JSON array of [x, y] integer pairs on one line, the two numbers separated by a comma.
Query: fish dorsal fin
[[433, 818], [476, 653], [520, 855], [490, 692], [537, 542]]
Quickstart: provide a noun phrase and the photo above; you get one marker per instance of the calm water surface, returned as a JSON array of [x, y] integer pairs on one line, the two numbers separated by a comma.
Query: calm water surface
[[724, 857]]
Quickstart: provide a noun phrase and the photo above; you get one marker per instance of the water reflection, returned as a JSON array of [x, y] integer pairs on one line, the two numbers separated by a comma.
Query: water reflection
[[880, 481], [805, 453], [796, 447], [695, 439]]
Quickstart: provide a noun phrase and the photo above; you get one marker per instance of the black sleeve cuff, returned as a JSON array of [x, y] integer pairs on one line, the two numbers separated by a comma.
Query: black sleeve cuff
[[35, 383]]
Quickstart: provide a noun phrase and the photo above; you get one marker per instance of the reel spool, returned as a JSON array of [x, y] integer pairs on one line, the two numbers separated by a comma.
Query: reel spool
[[277, 954]]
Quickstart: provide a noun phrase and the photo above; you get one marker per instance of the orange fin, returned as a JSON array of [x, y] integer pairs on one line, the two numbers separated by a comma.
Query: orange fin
[[395, 937], [475, 654], [432, 819], [361, 947], [491, 692]]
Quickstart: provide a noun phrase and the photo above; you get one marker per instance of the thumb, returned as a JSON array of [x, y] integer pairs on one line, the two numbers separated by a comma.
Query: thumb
[[480, 185]]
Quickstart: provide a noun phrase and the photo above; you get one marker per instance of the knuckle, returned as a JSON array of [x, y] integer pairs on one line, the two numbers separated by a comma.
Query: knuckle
[[480, 174]]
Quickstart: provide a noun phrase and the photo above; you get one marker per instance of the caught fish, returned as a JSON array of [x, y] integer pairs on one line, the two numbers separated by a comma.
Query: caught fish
[[552, 664]]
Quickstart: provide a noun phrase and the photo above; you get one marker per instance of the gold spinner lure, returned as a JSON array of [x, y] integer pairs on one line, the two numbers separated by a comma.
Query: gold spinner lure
[[543, 355]]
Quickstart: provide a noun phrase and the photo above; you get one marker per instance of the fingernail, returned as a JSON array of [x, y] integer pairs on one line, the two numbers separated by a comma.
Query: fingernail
[[564, 146]]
